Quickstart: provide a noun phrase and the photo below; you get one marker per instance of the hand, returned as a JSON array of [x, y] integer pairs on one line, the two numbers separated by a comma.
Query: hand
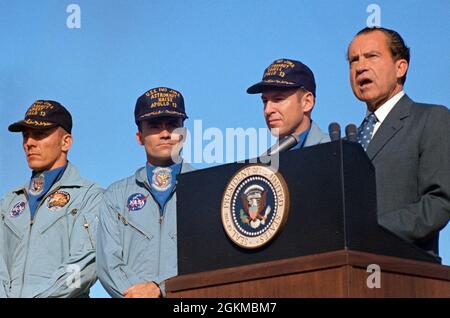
[[143, 290]]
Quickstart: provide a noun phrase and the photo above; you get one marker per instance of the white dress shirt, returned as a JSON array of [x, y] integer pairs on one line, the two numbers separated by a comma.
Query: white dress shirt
[[384, 110]]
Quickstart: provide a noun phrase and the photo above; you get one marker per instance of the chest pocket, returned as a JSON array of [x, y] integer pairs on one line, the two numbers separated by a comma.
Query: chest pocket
[[13, 237], [12, 227], [51, 220]]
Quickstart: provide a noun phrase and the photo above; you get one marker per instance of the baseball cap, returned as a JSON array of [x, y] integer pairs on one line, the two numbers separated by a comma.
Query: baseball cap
[[159, 102], [286, 73], [44, 114]]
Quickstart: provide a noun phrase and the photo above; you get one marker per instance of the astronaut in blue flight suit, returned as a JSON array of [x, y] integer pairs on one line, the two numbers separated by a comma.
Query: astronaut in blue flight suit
[[137, 233], [48, 226]]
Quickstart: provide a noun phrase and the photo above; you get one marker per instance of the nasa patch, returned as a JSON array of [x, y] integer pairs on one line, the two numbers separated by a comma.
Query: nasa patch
[[136, 201], [17, 209]]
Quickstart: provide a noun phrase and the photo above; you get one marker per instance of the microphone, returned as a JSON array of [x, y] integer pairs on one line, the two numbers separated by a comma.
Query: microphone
[[284, 144], [351, 132], [335, 131]]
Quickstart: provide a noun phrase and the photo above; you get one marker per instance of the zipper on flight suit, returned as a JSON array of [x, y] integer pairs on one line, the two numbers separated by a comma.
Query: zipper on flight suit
[[161, 219], [86, 226], [29, 233], [28, 247], [125, 222]]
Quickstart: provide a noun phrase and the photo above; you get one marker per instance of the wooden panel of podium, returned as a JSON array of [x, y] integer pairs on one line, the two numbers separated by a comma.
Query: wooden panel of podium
[[333, 274]]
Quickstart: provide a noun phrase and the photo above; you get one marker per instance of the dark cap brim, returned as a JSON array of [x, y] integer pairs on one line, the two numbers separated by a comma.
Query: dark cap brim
[[162, 115], [259, 87], [20, 125]]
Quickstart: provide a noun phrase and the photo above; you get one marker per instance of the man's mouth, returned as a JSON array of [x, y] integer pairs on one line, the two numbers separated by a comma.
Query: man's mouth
[[272, 122], [166, 144], [364, 83]]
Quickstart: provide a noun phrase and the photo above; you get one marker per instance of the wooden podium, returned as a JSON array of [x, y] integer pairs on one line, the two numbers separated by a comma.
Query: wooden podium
[[330, 238], [333, 274]]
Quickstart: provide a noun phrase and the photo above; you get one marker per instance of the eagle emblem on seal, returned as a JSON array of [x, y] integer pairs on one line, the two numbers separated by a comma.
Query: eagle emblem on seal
[[254, 210]]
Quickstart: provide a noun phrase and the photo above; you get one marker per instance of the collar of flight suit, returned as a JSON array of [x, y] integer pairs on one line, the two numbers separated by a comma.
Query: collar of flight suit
[[141, 173], [70, 179]]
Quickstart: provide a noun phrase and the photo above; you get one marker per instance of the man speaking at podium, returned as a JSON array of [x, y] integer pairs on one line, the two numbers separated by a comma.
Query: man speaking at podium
[[288, 92], [407, 142]]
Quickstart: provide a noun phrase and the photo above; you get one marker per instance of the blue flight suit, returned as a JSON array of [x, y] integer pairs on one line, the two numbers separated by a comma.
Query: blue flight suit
[[136, 243], [52, 255]]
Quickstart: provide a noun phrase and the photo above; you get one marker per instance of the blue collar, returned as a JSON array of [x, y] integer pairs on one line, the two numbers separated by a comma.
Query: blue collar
[[162, 182], [40, 184], [302, 138]]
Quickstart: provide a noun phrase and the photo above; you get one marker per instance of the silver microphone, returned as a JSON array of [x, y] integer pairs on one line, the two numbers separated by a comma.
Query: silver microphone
[[284, 144]]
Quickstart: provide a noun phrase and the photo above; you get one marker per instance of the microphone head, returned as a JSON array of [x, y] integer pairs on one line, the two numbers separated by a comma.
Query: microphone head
[[335, 131], [289, 137], [351, 132], [284, 144]]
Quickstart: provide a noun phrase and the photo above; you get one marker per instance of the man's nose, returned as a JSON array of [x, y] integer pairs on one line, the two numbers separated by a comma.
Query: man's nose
[[268, 108], [165, 132], [29, 141], [361, 66]]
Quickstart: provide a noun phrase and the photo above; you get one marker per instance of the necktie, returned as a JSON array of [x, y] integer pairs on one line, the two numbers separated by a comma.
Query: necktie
[[365, 131]]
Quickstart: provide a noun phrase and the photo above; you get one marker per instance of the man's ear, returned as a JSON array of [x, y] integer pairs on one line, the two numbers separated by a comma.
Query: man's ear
[[307, 102], [139, 138], [66, 142], [401, 67]]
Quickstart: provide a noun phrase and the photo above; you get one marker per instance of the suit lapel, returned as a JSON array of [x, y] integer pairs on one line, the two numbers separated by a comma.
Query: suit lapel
[[392, 124]]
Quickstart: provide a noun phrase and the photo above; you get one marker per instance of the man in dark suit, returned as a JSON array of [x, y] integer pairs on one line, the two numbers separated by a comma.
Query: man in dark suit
[[408, 142]]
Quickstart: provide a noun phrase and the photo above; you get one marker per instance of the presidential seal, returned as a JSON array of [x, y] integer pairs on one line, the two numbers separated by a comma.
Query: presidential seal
[[255, 206]]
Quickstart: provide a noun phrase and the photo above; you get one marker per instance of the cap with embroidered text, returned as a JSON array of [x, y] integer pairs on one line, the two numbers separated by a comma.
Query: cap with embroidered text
[[159, 102], [286, 73], [44, 114]]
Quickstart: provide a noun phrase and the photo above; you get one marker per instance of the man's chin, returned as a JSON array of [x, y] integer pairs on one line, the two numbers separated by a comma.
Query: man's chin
[[36, 168], [277, 132], [365, 97], [37, 165]]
